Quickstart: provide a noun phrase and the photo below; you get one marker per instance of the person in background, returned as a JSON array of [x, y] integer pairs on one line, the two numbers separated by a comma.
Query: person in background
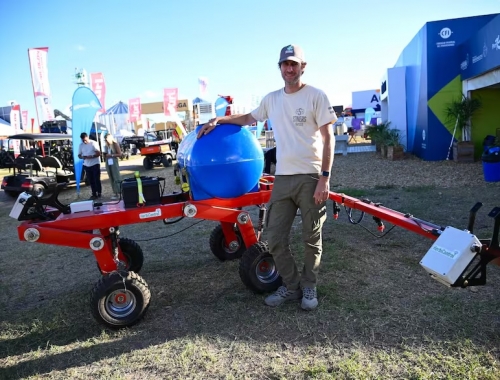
[[113, 153], [90, 152], [301, 117]]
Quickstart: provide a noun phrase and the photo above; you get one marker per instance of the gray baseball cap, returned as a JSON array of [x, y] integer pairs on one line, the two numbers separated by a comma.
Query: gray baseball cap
[[292, 53]]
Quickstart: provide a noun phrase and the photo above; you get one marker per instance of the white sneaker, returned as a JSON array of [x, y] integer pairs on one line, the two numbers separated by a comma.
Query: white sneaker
[[283, 295], [310, 299]]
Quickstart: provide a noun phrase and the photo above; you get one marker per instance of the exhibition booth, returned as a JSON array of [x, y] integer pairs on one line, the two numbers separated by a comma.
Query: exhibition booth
[[444, 60]]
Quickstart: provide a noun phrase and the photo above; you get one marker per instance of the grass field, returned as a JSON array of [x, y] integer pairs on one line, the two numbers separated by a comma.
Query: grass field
[[380, 315]]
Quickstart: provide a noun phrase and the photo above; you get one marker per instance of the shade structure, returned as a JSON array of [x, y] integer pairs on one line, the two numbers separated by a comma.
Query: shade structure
[[118, 109], [6, 129], [199, 100]]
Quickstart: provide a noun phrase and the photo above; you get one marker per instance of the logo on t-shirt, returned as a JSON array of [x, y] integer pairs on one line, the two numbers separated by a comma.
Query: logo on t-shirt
[[300, 117]]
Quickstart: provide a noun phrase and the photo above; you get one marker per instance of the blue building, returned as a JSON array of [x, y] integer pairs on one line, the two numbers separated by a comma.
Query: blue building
[[444, 60]]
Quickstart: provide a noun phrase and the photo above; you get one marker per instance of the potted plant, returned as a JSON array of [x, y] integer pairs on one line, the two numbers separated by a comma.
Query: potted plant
[[378, 135], [395, 150], [460, 112]]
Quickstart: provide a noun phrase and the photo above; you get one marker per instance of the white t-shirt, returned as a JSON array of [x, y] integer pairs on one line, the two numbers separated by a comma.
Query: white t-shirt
[[89, 149], [296, 119]]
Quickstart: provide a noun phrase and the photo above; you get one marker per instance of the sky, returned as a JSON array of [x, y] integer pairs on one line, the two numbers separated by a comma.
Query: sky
[[142, 47]]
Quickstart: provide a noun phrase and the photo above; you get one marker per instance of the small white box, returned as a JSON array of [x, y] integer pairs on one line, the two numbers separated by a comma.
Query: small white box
[[450, 254], [81, 206], [19, 205]]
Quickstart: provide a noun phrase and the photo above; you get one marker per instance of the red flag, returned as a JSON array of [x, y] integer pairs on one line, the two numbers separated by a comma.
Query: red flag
[[40, 79], [134, 109], [24, 122], [170, 100], [98, 85]]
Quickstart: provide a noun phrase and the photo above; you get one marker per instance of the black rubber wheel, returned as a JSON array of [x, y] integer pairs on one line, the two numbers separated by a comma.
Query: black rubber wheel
[[117, 305], [166, 161], [38, 190], [133, 252], [221, 250], [258, 270], [148, 165]]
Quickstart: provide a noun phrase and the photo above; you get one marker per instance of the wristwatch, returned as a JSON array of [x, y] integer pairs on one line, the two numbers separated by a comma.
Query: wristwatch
[[325, 174]]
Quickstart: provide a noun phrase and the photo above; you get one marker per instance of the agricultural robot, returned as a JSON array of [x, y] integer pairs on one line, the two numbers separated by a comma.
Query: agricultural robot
[[457, 258]]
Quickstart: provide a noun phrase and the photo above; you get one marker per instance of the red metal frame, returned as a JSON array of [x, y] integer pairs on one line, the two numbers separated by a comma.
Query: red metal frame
[[76, 230]]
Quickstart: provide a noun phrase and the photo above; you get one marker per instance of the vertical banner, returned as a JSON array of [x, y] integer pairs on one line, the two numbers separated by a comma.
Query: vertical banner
[[203, 83], [85, 106], [24, 120], [170, 96], [33, 129], [15, 123], [40, 79], [221, 105], [134, 109], [98, 85]]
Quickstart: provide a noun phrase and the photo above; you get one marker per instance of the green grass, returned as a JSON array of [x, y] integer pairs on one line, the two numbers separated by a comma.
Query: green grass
[[380, 316]]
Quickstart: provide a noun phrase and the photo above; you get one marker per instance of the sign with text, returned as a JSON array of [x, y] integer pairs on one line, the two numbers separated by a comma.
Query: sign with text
[[40, 79], [481, 52], [170, 96], [134, 109], [99, 87]]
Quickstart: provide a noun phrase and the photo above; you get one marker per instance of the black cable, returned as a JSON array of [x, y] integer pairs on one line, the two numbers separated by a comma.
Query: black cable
[[349, 215], [175, 233], [418, 223], [173, 222], [348, 211]]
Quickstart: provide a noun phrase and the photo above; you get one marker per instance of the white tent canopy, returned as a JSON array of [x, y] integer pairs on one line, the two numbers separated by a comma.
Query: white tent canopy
[[6, 129]]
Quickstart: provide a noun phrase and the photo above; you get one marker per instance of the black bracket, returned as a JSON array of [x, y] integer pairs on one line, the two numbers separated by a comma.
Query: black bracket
[[35, 207]]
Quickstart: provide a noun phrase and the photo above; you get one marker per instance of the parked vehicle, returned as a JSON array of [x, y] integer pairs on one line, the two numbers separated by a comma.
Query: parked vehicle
[[156, 152], [47, 162]]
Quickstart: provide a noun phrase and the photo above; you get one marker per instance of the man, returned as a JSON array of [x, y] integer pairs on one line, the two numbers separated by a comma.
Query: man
[[90, 152], [301, 116]]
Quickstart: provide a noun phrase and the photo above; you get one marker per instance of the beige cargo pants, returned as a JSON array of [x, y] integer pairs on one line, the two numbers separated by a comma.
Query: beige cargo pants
[[292, 192]]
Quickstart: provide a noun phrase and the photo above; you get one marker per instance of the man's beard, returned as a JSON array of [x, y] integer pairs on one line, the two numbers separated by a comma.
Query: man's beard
[[291, 81]]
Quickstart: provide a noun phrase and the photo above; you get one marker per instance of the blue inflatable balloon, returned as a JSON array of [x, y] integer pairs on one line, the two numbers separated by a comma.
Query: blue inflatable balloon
[[226, 163]]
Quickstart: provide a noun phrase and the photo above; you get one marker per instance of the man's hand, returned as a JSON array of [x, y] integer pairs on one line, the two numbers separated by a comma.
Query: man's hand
[[322, 190], [208, 127]]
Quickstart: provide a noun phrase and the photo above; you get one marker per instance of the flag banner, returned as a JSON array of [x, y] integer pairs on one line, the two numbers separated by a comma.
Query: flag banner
[[134, 109], [33, 128], [98, 85], [15, 123], [170, 96], [40, 79], [179, 127], [85, 106], [221, 105], [24, 119], [203, 83]]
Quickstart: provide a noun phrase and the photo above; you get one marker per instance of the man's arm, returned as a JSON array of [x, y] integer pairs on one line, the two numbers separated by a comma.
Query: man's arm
[[97, 149], [328, 147], [245, 119], [323, 187]]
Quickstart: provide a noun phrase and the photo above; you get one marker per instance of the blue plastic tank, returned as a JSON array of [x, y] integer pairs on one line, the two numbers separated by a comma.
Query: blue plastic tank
[[226, 163]]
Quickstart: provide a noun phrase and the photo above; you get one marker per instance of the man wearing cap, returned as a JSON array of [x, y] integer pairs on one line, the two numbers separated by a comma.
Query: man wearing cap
[[302, 117], [90, 152]]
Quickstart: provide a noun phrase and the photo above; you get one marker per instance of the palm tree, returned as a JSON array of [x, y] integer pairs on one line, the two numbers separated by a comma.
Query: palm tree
[[460, 112]]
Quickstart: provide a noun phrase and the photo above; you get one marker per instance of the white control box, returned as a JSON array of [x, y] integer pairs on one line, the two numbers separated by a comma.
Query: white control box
[[19, 205], [450, 254], [81, 206]]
